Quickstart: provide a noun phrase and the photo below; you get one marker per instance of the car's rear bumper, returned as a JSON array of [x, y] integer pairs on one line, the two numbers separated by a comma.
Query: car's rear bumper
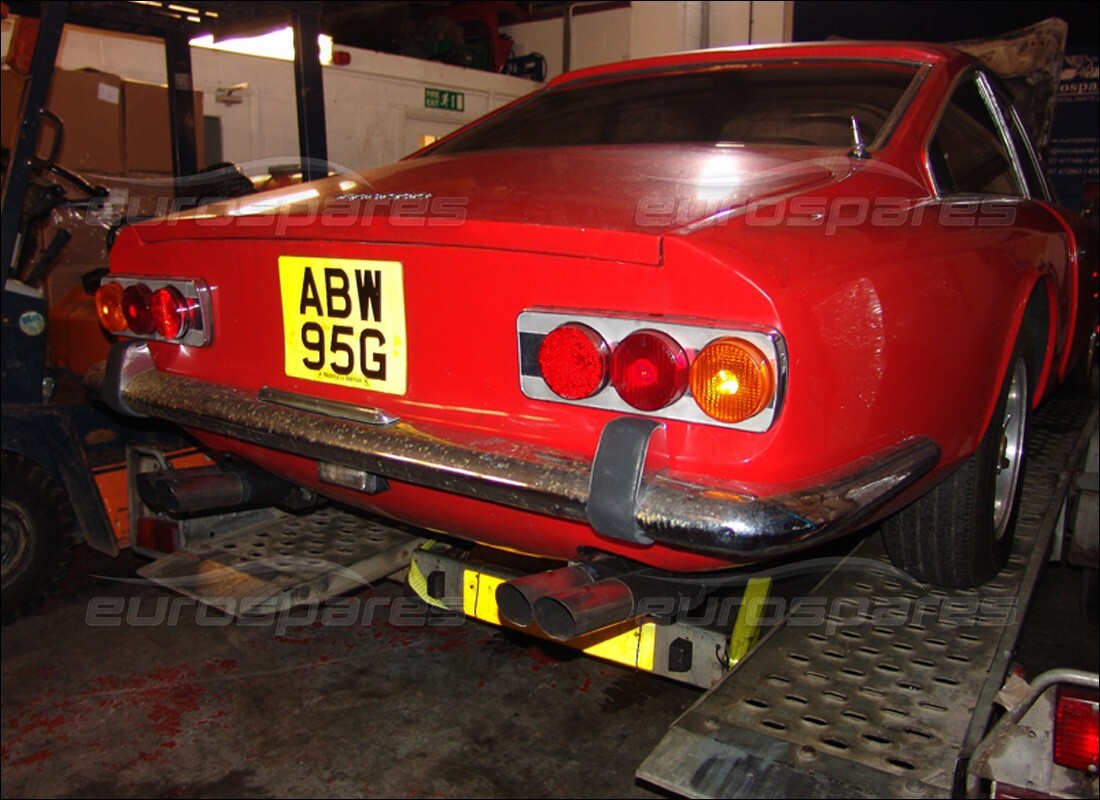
[[612, 492]]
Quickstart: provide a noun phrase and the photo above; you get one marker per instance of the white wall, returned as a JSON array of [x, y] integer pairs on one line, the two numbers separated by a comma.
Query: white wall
[[599, 38], [772, 21], [654, 27], [366, 102], [541, 36]]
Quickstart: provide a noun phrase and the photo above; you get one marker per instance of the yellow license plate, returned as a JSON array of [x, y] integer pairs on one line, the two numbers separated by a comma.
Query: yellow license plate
[[344, 322]]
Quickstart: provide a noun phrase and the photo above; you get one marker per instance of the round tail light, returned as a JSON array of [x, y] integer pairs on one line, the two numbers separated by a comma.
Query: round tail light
[[135, 307], [108, 307], [171, 312], [731, 380], [649, 370], [574, 361]]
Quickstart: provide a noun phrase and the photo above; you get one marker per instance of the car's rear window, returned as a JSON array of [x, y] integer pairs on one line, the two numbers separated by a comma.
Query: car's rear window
[[789, 104]]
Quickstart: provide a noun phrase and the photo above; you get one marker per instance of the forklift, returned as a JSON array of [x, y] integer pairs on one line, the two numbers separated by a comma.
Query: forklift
[[68, 464]]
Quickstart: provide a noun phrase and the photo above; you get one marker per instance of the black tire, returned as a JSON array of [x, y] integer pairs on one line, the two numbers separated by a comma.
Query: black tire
[[958, 534], [37, 524]]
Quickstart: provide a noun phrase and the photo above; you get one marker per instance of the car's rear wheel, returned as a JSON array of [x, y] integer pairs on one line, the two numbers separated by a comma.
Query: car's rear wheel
[[960, 533]]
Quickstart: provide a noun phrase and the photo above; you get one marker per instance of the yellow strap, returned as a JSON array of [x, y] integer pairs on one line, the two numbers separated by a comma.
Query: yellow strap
[[418, 582], [746, 629]]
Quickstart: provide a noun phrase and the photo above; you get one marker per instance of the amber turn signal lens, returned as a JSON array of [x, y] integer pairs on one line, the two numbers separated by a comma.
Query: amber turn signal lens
[[108, 307], [732, 380]]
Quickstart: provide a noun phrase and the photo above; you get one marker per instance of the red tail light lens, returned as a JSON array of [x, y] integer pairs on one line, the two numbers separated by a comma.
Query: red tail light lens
[[135, 307], [1076, 731], [574, 361], [108, 307], [157, 535], [175, 310], [171, 312], [649, 370]]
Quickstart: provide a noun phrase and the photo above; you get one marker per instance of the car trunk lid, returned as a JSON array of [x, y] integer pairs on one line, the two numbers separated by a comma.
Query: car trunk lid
[[607, 203]]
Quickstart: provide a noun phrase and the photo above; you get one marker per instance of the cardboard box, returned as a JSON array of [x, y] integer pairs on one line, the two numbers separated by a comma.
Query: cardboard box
[[112, 126], [148, 132], [89, 104]]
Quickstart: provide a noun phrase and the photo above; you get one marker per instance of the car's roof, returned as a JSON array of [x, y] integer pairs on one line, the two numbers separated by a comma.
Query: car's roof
[[909, 52]]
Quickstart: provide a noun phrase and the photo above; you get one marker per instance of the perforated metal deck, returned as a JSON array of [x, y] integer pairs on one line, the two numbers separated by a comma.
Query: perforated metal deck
[[875, 685], [280, 561]]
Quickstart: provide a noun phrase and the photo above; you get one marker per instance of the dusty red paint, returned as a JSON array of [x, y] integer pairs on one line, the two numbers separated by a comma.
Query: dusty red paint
[[864, 310]]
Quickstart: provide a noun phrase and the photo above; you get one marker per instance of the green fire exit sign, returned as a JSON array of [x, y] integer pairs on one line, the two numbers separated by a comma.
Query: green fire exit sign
[[441, 98]]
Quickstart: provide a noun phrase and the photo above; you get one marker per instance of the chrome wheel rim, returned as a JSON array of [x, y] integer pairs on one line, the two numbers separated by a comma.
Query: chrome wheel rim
[[1010, 452]]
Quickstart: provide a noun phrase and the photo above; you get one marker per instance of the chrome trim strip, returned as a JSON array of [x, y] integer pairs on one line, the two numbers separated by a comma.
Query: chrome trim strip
[[715, 518], [326, 408], [995, 111], [730, 64], [902, 107], [1036, 162]]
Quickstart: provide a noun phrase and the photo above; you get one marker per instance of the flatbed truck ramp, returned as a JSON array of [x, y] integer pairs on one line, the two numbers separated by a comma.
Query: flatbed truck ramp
[[876, 685], [869, 685]]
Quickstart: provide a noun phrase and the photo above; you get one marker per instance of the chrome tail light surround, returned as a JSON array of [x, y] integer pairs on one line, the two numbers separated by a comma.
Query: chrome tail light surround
[[533, 325], [199, 330]]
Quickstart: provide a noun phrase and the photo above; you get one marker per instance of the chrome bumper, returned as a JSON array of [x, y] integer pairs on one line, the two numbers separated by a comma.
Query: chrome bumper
[[612, 493]]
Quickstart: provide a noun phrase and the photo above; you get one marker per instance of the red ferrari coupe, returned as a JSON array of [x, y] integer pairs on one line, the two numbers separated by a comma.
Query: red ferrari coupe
[[692, 312]]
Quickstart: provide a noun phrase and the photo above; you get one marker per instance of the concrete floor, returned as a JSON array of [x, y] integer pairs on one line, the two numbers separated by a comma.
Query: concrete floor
[[394, 705]]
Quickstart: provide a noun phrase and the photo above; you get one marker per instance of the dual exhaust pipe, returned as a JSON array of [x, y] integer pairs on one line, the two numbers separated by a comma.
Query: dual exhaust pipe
[[572, 601]]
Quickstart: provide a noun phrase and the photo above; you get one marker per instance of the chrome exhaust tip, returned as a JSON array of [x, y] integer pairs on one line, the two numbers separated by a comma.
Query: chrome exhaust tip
[[576, 612]]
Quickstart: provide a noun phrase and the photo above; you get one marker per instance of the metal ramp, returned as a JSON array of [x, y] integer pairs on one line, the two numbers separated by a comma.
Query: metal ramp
[[274, 561], [883, 689]]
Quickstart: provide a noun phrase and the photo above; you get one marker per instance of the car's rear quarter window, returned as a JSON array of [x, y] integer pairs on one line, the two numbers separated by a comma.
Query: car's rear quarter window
[[967, 154]]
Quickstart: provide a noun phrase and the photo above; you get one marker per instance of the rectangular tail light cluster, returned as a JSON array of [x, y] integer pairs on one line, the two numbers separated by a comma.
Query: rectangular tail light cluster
[[693, 372], [1077, 729], [163, 310]]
